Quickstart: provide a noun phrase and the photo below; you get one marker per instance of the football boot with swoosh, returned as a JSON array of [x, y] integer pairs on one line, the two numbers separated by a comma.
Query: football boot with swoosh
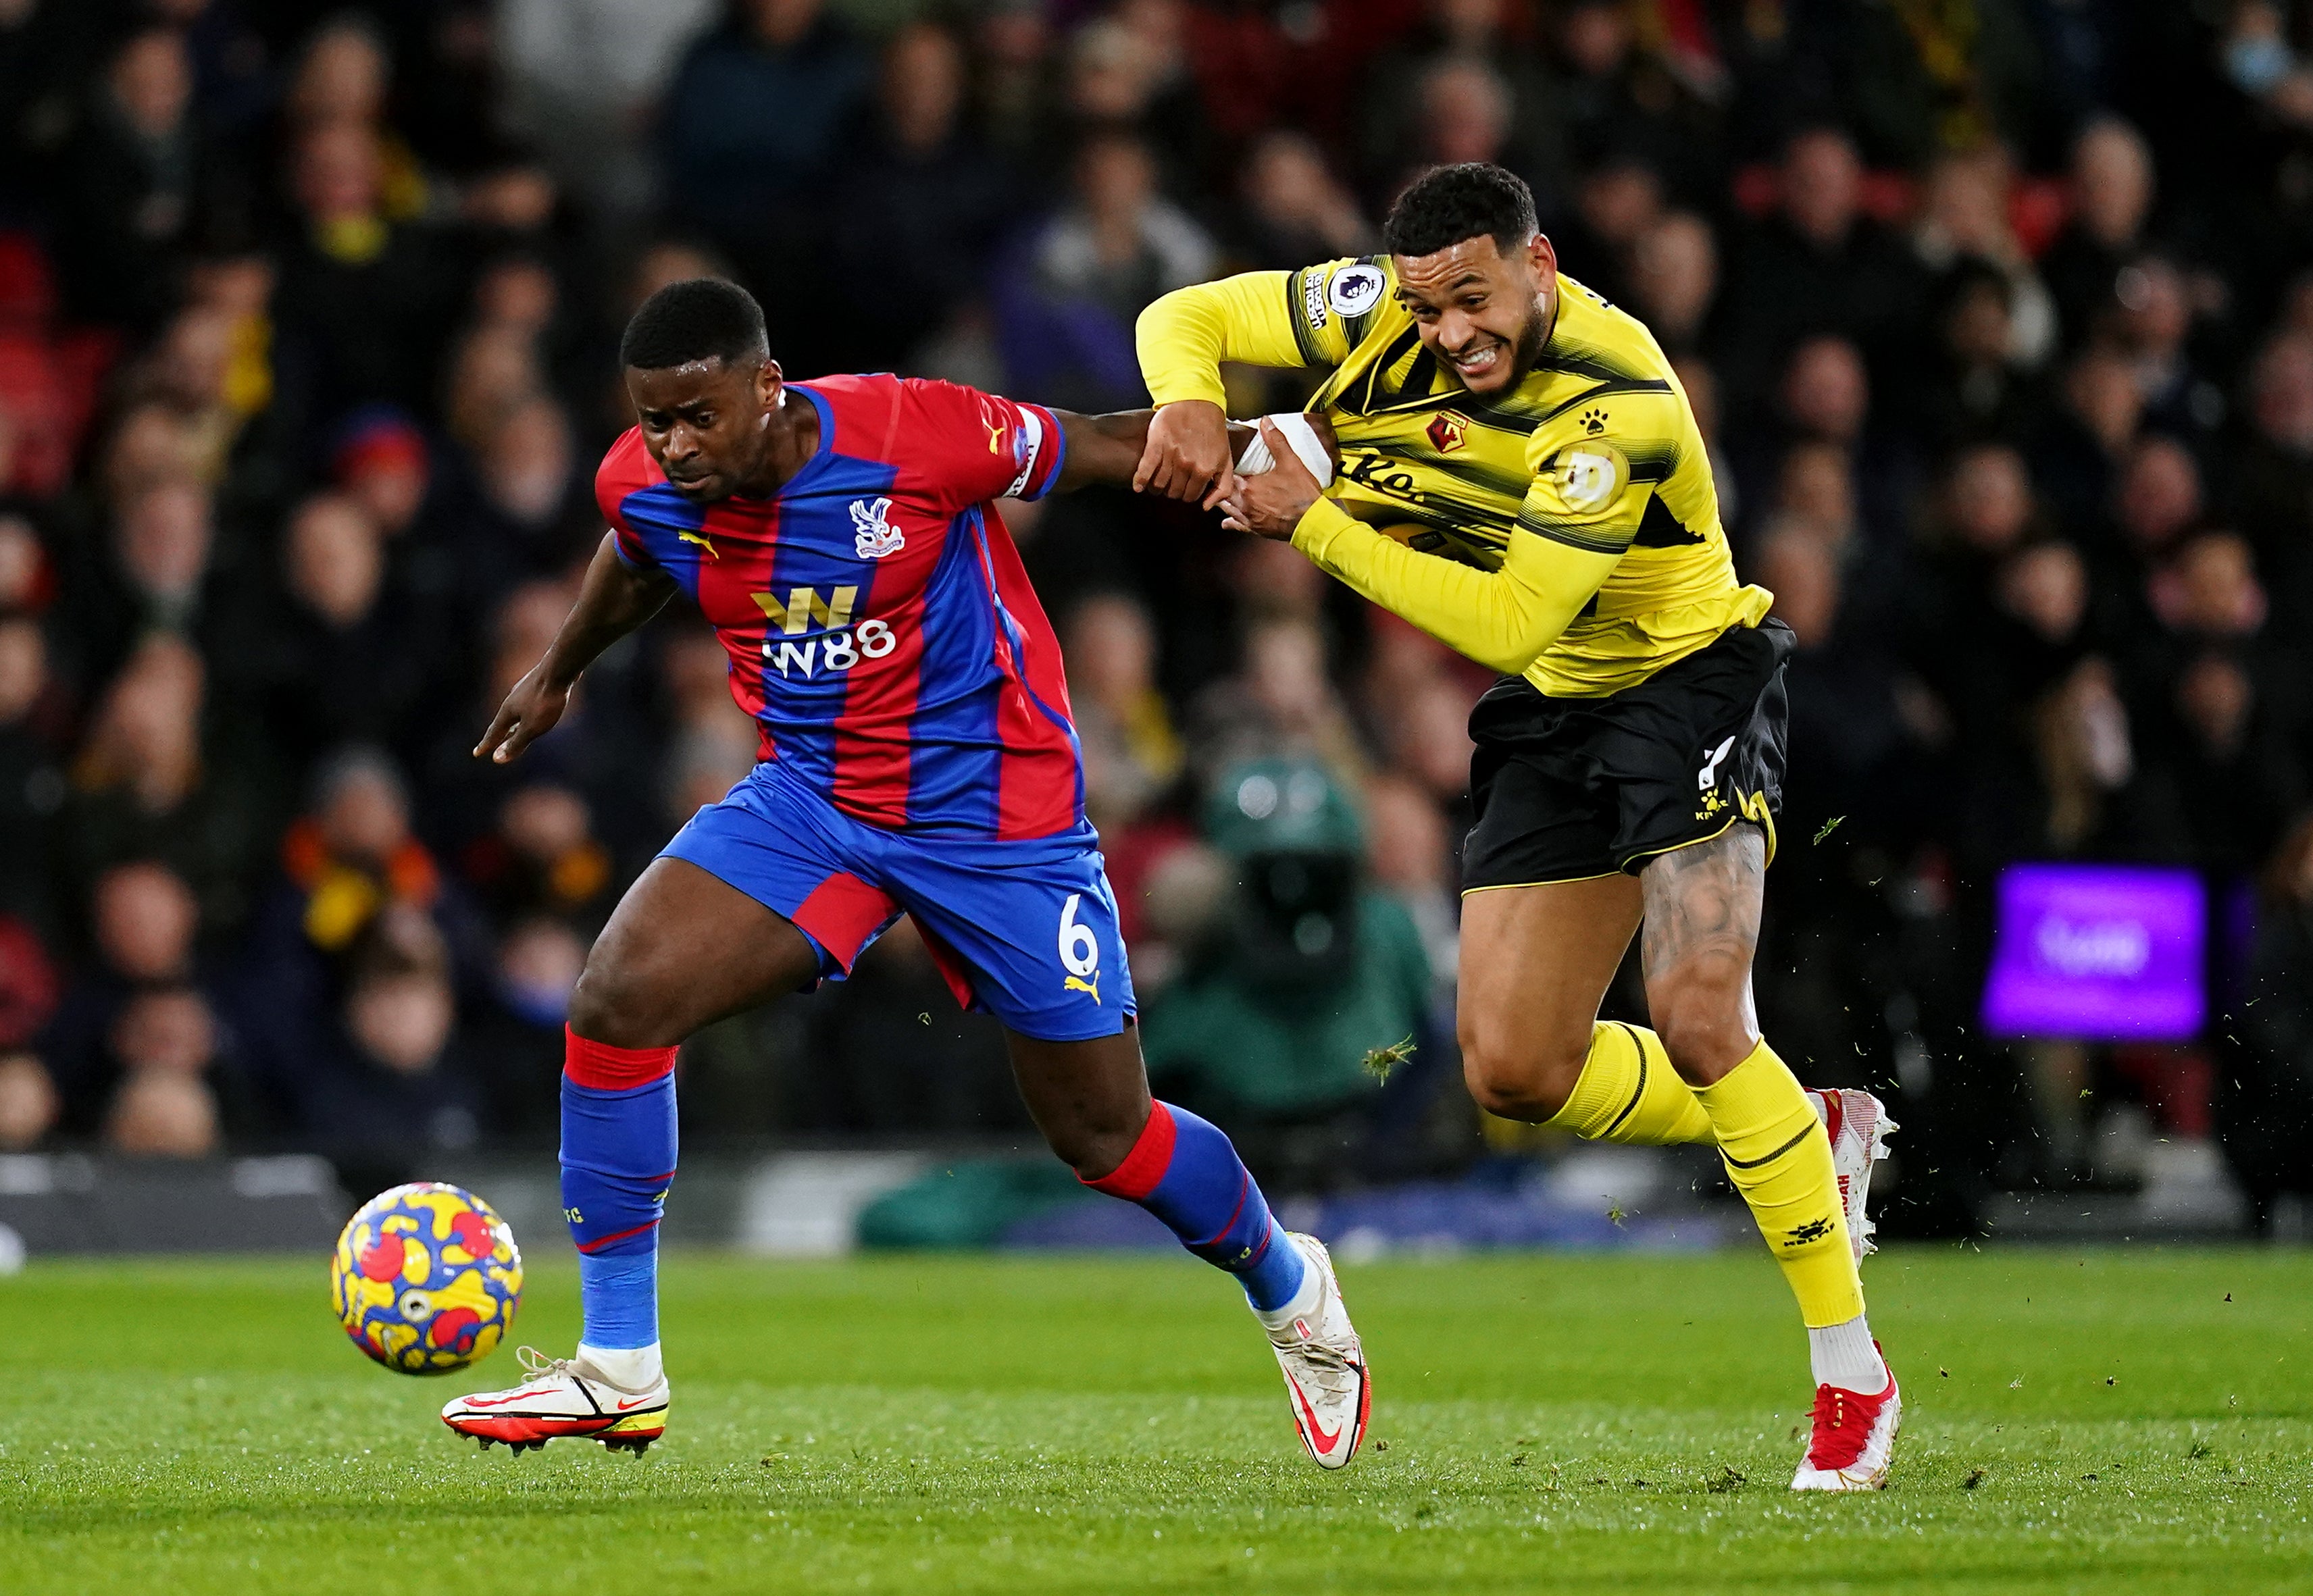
[[1324, 1367], [561, 1396]]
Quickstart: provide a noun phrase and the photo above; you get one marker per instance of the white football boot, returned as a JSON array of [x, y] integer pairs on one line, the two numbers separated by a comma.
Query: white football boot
[[1857, 1124], [1324, 1367], [561, 1396], [1851, 1439]]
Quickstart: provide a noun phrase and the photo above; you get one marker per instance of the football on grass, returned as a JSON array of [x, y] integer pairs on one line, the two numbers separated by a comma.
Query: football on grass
[[427, 1278]]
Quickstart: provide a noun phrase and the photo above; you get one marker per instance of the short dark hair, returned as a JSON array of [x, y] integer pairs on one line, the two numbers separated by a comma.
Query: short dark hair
[[1449, 204], [697, 319]]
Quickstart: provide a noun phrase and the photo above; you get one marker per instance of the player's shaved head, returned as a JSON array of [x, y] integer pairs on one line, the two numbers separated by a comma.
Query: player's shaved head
[[1474, 272], [697, 321]]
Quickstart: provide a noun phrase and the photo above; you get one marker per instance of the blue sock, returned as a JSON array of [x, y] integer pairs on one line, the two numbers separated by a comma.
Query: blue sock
[[1183, 1170], [618, 1161], [620, 1299]]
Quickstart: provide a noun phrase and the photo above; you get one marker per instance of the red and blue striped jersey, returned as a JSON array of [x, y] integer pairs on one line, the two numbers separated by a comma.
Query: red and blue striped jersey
[[880, 627]]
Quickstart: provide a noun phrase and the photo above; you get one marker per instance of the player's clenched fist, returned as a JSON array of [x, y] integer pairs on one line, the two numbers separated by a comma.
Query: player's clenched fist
[[1187, 455]]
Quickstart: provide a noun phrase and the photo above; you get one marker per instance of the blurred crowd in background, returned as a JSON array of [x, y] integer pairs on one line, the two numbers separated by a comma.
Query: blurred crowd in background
[[1998, 313]]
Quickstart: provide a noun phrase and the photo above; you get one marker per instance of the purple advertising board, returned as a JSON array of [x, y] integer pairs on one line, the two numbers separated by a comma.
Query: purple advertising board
[[2097, 953]]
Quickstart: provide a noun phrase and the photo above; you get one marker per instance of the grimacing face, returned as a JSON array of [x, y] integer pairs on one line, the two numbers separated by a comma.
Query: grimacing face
[[1485, 314], [707, 422]]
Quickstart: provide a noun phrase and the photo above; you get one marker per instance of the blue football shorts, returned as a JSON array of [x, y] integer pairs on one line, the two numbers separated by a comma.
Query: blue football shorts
[[1023, 930]]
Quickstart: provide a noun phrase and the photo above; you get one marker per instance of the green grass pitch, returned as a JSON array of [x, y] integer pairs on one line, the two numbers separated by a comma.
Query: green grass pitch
[[2088, 1422]]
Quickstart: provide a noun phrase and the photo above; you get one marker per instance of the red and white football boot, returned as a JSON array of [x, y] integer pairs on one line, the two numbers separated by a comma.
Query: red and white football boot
[[1853, 1440], [561, 1397], [1324, 1367], [1857, 1124]]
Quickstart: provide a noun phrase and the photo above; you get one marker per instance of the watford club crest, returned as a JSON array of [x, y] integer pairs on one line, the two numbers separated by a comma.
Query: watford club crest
[[1447, 431]]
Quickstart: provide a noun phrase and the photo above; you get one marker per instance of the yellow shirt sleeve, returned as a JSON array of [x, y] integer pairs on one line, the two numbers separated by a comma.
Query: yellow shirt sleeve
[[1583, 494], [1503, 618], [1312, 317]]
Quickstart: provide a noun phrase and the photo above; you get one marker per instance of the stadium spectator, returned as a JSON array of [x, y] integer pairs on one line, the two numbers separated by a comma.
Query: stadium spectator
[[2158, 497], [1462, 31], [2112, 190], [1982, 390], [151, 575], [1615, 93], [29, 1106], [1965, 215], [1675, 279], [2077, 459], [1616, 205], [926, 203], [516, 1044], [142, 926], [1462, 112], [543, 861], [160, 1113], [1818, 264], [1292, 211], [130, 184], [583, 77], [381, 462], [31, 775], [524, 510], [1131, 750], [1410, 857], [151, 780], [1066, 322], [388, 1080], [2273, 493], [1280, 704], [341, 661], [364, 296], [752, 122]]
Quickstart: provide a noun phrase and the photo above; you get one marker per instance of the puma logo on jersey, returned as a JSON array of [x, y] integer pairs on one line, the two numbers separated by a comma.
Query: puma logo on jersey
[[1081, 984], [699, 538], [873, 536]]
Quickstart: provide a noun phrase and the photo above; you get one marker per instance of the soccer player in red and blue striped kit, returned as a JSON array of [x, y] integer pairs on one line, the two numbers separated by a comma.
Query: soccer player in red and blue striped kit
[[916, 758]]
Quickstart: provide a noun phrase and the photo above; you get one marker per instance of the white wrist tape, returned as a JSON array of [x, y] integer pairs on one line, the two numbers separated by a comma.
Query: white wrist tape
[[1256, 457]]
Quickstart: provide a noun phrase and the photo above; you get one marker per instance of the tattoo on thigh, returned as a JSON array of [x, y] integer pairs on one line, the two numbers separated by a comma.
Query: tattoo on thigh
[[1703, 901]]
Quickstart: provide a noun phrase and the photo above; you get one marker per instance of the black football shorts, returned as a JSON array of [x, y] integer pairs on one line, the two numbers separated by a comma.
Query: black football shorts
[[1567, 789]]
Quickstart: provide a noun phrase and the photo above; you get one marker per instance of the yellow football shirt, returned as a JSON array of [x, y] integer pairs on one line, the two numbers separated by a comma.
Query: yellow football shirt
[[1584, 494]]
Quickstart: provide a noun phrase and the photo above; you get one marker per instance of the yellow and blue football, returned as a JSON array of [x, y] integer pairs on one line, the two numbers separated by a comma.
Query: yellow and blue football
[[427, 1278]]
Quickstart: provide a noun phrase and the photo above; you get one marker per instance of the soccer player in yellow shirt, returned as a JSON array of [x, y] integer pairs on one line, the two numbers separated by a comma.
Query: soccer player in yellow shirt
[[1508, 461]]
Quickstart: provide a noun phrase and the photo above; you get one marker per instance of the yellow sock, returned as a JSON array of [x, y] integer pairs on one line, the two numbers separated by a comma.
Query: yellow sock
[[1629, 1092], [1779, 1158]]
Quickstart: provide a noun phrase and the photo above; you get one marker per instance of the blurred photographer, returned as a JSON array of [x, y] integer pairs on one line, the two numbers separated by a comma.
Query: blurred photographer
[[1297, 968]]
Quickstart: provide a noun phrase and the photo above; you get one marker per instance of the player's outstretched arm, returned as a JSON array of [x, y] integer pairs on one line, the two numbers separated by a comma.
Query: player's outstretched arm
[[1182, 339], [1102, 449], [615, 600], [1107, 450]]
